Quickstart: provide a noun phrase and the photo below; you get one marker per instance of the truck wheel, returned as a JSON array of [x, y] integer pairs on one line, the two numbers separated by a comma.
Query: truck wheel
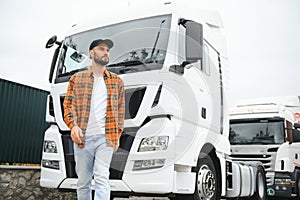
[[297, 183], [261, 186], [207, 186]]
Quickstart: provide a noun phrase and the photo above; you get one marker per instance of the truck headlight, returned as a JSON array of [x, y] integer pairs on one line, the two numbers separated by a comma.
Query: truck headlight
[[284, 188], [52, 164], [50, 146], [148, 164], [157, 143]]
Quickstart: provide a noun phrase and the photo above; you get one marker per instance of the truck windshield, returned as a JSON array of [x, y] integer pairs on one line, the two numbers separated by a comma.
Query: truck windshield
[[257, 132], [139, 45]]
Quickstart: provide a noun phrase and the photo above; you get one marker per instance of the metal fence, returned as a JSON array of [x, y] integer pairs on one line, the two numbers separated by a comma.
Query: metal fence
[[22, 122]]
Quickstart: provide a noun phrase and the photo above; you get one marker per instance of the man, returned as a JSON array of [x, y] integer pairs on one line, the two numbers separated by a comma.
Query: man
[[94, 112]]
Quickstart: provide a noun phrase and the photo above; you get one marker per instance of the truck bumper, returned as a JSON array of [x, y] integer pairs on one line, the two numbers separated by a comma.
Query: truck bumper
[[53, 169], [150, 181], [71, 183], [163, 182], [284, 186]]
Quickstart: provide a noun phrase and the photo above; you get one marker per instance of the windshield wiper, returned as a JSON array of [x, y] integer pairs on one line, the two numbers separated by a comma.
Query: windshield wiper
[[241, 143], [70, 73], [233, 143], [127, 67], [126, 63], [261, 142], [157, 36], [248, 143]]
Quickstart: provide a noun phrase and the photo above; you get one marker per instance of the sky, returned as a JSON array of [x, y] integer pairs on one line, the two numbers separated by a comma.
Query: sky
[[263, 40]]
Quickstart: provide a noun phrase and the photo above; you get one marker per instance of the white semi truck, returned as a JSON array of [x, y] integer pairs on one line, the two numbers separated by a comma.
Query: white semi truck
[[265, 130], [175, 143]]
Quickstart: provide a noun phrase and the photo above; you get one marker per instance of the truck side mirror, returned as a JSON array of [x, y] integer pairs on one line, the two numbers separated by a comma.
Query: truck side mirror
[[296, 125], [52, 41], [296, 135], [194, 41]]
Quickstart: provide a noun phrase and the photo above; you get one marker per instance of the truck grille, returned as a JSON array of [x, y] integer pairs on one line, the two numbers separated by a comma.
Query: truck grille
[[268, 160], [119, 159], [133, 100]]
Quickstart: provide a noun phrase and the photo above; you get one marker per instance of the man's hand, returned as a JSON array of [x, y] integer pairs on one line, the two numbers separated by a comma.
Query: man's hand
[[116, 148], [76, 135]]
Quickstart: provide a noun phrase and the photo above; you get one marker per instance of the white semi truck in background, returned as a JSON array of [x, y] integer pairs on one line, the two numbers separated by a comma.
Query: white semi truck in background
[[265, 130], [175, 143]]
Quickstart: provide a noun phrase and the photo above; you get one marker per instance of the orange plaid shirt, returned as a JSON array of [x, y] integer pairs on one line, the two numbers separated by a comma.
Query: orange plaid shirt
[[78, 101]]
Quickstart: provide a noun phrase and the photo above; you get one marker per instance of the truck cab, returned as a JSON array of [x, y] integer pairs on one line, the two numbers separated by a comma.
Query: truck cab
[[265, 130], [173, 63]]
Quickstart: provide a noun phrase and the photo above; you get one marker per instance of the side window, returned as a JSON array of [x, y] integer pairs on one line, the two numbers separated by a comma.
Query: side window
[[289, 128], [210, 59], [206, 61], [181, 45]]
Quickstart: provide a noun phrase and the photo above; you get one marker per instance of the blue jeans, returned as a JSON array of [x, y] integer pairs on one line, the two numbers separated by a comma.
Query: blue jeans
[[93, 159]]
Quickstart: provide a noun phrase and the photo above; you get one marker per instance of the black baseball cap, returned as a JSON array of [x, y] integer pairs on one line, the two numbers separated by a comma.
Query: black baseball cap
[[95, 43]]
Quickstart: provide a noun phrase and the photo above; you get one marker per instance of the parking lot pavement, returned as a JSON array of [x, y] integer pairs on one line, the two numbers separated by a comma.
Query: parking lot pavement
[[143, 198]]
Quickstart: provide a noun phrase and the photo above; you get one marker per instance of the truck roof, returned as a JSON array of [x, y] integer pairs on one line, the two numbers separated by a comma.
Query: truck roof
[[285, 107], [211, 20], [289, 101], [210, 17]]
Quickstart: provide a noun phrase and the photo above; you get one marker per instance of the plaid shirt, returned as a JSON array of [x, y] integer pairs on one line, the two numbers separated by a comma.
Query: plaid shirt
[[78, 101]]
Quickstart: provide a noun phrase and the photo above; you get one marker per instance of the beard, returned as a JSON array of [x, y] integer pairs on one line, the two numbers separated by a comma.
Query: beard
[[100, 61]]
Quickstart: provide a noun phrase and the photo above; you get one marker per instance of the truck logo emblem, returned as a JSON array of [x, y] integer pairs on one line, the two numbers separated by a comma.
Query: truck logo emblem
[[271, 192]]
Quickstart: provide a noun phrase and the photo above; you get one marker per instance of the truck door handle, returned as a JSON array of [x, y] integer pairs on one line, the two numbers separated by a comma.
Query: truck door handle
[[203, 113]]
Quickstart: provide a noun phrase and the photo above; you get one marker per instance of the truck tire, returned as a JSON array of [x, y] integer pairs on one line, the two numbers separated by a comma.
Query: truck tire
[[207, 186], [207, 182], [297, 179], [261, 185]]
